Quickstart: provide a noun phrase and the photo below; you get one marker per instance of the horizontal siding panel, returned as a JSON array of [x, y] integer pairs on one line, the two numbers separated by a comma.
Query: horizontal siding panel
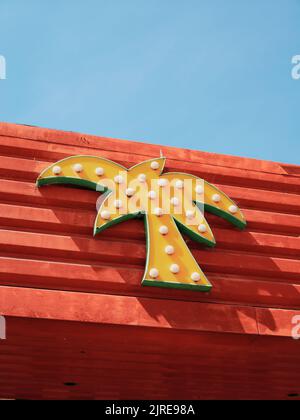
[[230, 289], [129, 311], [235, 366], [81, 223], [102, 143], [74, 249], [141, 312], [24, 192], [224, 175], [60, 198], [26, 170]]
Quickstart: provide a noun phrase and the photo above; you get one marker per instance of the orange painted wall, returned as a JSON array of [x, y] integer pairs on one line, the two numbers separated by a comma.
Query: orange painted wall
[[68, 294]]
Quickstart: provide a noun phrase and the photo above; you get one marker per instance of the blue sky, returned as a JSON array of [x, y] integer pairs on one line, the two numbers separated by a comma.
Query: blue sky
[[210, 75]]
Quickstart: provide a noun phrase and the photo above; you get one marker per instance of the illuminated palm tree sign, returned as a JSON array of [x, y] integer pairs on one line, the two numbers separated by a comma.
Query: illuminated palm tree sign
[[170, 203]]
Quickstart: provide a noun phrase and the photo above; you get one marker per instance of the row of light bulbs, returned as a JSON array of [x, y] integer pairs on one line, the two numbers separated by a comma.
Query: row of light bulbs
[[175, 269], [216, 198], [78, 168]]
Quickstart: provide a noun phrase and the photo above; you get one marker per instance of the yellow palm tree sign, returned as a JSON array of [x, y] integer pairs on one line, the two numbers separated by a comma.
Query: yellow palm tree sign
[[170, 203]]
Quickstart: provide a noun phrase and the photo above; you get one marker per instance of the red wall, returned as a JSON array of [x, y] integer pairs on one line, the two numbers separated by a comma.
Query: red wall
[[76, 310]]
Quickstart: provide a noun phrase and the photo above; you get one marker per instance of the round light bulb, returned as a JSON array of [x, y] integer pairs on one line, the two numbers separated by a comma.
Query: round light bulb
[[196, 277], [130, 192], [179, 185], [119, 179], [175, 201], [175, 268], [118, 204], [78, 168], [216, 198], [99, 171], [154, 273], [154, 166], [152, 195], [170, 250], [158, 212], [56, 170], [105, 215], [202, 228], [233, 209], [142, 178], [190, 214], [162, 183], [164, 230], [199, 190]]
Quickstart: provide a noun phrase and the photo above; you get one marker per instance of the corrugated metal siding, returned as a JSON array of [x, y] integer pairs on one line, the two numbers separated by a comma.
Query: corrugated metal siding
[[46, 245]]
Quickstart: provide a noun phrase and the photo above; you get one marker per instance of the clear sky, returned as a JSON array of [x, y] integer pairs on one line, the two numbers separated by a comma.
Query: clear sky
[[210, 75]]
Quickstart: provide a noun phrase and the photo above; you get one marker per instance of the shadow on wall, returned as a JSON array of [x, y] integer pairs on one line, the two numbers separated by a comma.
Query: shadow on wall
[[240, 284]]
